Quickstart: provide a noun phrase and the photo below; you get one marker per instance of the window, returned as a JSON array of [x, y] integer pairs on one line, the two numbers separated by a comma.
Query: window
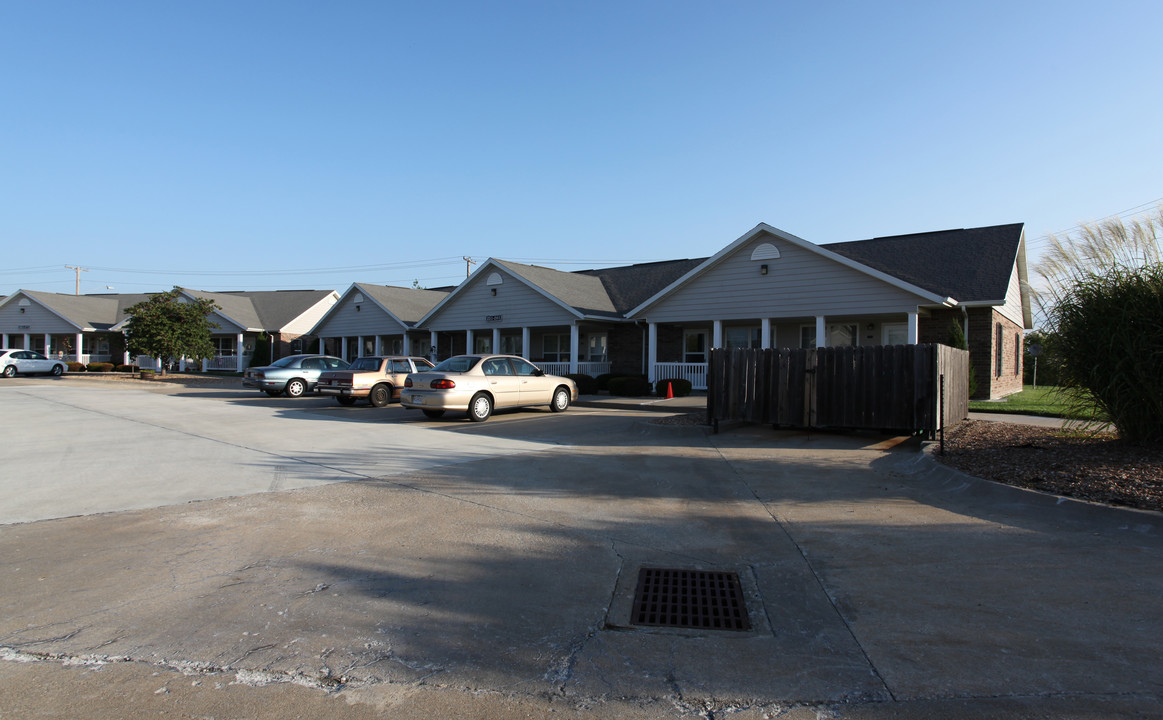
[[895, 334], [807, 336], [741, 337], [524, 368], [694, 346], [223, 346], [497, 366], [511, 344], [482, 344], [555, 348], [1000, 354], [595, 345], [842, 335]]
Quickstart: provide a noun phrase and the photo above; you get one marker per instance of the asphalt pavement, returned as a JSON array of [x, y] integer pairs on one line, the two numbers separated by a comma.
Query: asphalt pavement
[[210, 552]]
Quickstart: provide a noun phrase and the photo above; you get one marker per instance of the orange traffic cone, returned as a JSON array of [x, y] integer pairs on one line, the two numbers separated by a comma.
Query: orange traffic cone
[[669, 392]]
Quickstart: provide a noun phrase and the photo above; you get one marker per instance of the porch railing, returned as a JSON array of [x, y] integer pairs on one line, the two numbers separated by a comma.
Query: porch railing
[[593, 369], [227, 362], [696, 373]]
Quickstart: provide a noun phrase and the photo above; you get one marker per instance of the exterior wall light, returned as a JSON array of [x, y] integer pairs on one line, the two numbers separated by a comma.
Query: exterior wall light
[[762, 269], [494, 291]]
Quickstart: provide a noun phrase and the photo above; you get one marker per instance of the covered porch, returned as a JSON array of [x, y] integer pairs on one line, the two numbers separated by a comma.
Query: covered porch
[[682, 350], [578, 348]]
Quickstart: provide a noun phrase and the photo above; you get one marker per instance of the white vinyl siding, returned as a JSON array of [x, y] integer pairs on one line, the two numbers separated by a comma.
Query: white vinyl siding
[[1013, 305], [799, 283], [518, 305], [370, 320], [39, 320]]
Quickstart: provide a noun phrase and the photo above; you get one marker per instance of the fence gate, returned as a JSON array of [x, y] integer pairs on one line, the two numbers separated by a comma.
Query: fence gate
[[882, 387]]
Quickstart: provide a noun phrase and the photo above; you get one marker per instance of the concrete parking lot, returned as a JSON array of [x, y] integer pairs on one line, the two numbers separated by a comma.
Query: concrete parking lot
[[212, 552]]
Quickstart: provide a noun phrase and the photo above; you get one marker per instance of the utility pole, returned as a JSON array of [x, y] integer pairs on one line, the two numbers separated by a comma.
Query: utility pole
[[468, 263], [79, 270]]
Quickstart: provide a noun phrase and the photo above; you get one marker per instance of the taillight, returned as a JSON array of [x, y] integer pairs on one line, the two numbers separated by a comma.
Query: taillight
[[443, 384], [258, 375], [407, 382]]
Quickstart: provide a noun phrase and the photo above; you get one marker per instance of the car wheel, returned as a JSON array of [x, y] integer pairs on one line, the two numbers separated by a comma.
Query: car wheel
[[58, 369], [10, 371], [434, 414], [296, 388], [380, 396], [480, 407], [560, 402], [345, 401], [273, 393]]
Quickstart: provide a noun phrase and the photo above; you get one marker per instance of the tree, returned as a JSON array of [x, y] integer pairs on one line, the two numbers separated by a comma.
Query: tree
[[1102, 298], [171, 325]]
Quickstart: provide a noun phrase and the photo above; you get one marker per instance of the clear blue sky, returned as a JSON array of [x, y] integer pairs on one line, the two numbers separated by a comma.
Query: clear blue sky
[[267, 145]]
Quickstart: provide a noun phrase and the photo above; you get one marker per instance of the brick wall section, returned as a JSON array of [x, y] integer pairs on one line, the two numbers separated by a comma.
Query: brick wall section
[[624, 348], [982, 338]]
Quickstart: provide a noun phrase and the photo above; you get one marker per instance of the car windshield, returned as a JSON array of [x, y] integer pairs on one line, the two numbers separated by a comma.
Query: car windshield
[[289, 361], [459, 364], [365, 363]]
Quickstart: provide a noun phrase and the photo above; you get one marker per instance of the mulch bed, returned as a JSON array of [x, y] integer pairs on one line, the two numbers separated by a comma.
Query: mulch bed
[[1099, 468]]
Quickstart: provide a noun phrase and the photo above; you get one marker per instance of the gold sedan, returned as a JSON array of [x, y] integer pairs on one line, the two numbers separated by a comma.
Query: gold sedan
[[479, 384]]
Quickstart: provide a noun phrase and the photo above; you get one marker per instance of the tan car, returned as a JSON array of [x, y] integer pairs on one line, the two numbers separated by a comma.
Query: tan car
[[376, 379], [477, 384]]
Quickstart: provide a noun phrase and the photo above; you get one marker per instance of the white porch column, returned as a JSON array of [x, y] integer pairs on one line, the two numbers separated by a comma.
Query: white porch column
[[652, 350], [407, 348], [359, 346], [320, 344], [239, 351], [821, 329], [3, 339], [80, 338], [526, 341], [765, 333], [912, 338], [379, 346], [574, 339], [469, 338], [716, 335], [432, 339], [27, 342], [47, 343], [496, 340]]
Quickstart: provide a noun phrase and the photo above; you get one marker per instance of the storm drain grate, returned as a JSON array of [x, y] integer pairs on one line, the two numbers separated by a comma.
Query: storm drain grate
[[689, 599]]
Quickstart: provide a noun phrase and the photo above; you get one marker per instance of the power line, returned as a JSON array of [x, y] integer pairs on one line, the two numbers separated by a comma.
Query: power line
[[1121, 214]]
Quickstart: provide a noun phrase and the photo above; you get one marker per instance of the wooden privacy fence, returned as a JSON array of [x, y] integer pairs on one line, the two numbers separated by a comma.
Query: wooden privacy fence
[[881, 387]]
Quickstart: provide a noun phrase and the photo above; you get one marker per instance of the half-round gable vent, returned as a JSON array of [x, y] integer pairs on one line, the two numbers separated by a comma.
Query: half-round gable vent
[[495, 279], [766, 251], [358, 298], [24, 302]]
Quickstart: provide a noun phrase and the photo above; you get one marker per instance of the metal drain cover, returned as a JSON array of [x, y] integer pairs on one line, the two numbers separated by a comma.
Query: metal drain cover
[[689, 599]]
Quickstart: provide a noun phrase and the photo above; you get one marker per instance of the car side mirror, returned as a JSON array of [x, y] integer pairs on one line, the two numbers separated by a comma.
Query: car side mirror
[[538, 372]]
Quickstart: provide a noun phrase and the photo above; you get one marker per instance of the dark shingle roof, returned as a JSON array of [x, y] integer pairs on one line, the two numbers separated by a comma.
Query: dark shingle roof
[[631, 285], [407, 304], [967, 265]]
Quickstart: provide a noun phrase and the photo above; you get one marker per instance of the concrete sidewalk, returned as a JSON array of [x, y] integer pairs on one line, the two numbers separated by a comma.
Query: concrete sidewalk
[[698, 403]]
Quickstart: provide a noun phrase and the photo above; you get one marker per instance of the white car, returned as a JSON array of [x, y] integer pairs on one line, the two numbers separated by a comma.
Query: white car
[[27, 362]]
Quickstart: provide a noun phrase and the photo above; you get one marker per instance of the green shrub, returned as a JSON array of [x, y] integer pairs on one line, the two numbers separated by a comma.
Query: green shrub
[[603, 381], [629, 386], [100, 367], [680, 387], [1110, 344], [586, 384], [126, 368], [75, 366]]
